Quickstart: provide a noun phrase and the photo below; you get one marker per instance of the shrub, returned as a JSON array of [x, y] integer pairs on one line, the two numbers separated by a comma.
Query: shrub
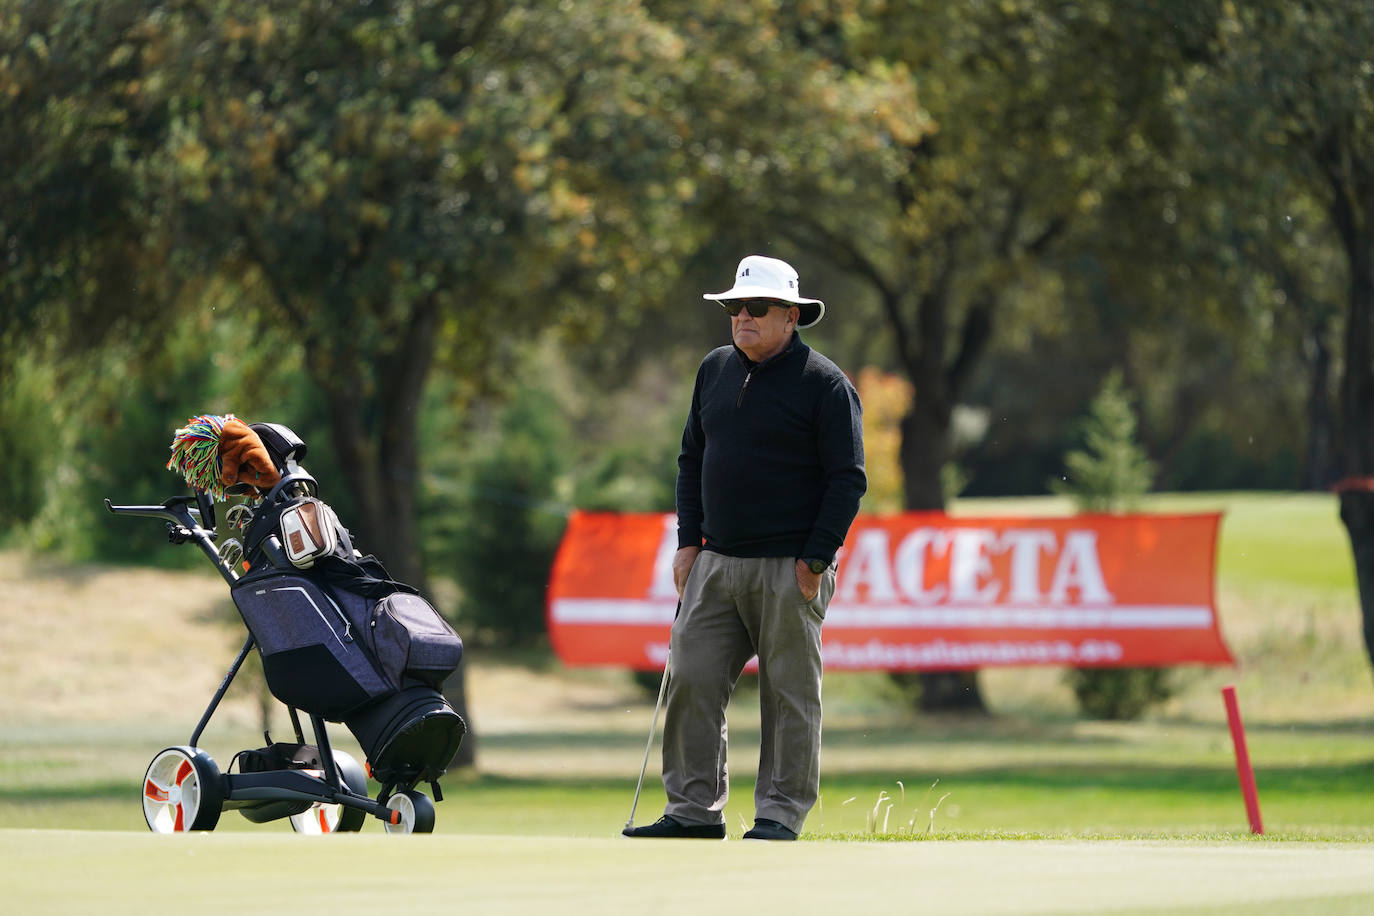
[[506, 522], [1107, 475], [1119, 693], [1111, 471], [29, 443]]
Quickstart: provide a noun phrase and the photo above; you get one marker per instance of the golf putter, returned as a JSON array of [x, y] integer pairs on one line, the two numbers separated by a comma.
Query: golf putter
[[653, 727]]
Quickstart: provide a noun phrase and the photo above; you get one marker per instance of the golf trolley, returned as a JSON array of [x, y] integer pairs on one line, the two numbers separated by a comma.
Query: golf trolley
[[339, 641]]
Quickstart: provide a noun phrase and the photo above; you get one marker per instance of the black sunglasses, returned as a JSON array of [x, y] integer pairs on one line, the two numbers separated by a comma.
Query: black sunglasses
[[756, 307]]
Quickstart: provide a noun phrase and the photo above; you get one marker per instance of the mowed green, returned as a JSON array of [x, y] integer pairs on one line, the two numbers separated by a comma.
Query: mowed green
[[1028, 810], [87, 872]]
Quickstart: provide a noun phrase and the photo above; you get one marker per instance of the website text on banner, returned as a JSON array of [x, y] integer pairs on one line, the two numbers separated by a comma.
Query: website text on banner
[[924, 591]]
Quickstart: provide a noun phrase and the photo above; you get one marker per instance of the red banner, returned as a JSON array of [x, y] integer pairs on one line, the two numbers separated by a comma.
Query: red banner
[[926, 591]]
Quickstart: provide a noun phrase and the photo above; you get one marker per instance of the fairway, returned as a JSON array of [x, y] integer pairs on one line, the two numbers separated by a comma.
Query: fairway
[[447, 449], [87, 872], [1031, 809]]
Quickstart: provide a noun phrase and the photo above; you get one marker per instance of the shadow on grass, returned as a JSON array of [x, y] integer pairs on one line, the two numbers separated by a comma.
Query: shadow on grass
[[552, 741], [957, 729], [94, 791], [1353, 727], [1336, 779], [1343, 779], [1002, 731]]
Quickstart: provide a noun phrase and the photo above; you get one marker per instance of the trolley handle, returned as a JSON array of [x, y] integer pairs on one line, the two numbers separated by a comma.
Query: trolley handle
[[184, 523], [176, 510]]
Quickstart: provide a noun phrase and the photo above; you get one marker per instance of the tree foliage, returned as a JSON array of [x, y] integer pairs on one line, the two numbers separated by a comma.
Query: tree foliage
[[1293, 82], [74, 253], [1109, 474], [507, 520], [1010, 197], [405, 183], [1111, 471]]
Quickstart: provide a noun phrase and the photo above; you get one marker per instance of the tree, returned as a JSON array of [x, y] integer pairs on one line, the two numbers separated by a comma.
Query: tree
[[1109, 474], [1111, 471], [507, 523], [1297, 78], [394, 185], [76, 263], [999, 130], [939, 152], [413, 182], [391, 180]]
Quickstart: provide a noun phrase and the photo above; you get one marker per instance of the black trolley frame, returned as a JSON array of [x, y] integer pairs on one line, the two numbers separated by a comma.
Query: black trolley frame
[[187, 518]]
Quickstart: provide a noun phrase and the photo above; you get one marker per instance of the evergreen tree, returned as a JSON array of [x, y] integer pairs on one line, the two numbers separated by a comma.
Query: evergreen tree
[[1109, 474], [1111, 471]]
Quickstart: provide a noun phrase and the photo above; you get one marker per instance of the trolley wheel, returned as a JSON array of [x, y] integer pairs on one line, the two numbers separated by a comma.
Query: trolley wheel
[[325, 818], [182, 790], [416, 810]]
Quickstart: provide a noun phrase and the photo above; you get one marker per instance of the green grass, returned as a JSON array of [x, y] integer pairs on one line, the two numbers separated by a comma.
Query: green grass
[[945, 814], [86, 872], [1002, 778]]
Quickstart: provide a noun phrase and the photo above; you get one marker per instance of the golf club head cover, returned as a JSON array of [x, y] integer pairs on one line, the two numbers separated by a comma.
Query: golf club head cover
[[212, 453], [243, 458]]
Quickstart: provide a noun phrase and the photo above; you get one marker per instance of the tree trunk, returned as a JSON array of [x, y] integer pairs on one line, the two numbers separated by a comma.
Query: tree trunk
[[1357, 513], [924, 452], [1357, 411], [1318, 471], [381, 462], [951, 691]]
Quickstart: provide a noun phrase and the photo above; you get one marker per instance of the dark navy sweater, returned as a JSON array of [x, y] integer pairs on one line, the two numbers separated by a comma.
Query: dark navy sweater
[[772, 461]]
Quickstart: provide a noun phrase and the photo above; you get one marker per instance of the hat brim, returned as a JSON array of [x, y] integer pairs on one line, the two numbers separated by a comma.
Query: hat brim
[[812, 310]]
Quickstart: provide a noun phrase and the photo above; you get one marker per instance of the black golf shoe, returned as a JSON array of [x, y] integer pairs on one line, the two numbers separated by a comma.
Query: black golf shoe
[[669, 827], [764, 829]]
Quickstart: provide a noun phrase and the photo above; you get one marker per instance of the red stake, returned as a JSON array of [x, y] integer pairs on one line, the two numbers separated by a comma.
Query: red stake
[[1243, 770]]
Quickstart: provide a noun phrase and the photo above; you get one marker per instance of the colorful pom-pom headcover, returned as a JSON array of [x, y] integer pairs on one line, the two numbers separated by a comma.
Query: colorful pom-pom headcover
[[214, 453]]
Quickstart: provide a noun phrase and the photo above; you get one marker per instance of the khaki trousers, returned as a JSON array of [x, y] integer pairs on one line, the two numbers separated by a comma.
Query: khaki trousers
[[732, 609]]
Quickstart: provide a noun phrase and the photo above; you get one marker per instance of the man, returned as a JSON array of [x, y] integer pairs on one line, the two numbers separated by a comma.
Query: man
[[769, 480]]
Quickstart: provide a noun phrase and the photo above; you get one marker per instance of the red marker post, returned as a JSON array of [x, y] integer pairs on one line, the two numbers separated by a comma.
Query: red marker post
[[1243, 770]]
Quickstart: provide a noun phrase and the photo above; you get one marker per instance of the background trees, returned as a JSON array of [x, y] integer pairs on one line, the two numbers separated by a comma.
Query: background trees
[[980, 149], [1293, 82], [381, 222]]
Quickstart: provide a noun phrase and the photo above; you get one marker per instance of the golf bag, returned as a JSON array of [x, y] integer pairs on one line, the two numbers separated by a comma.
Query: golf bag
[[338, 637]]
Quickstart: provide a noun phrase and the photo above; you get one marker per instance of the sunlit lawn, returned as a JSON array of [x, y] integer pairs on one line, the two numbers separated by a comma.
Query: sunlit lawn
[[568, 767]]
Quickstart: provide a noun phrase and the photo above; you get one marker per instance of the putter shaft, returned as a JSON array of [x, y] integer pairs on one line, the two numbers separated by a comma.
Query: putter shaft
[[653, 727]]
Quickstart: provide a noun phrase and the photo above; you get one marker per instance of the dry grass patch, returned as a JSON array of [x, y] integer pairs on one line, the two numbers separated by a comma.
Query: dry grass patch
[[102, 644]]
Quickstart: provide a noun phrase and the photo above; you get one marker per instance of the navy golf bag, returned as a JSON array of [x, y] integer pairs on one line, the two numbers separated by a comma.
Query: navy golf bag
[[338, 637]]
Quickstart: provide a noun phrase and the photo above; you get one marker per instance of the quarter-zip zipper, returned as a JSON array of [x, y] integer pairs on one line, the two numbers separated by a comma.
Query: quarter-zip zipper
[[739, 401], [751, 367]]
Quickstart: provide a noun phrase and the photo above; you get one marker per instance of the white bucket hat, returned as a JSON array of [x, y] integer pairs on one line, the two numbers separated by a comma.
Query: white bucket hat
[[768, 278]]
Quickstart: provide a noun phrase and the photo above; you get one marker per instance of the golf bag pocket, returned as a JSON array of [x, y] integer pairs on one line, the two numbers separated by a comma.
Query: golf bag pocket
[[412, 639], [313, 656], [409, 639]]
